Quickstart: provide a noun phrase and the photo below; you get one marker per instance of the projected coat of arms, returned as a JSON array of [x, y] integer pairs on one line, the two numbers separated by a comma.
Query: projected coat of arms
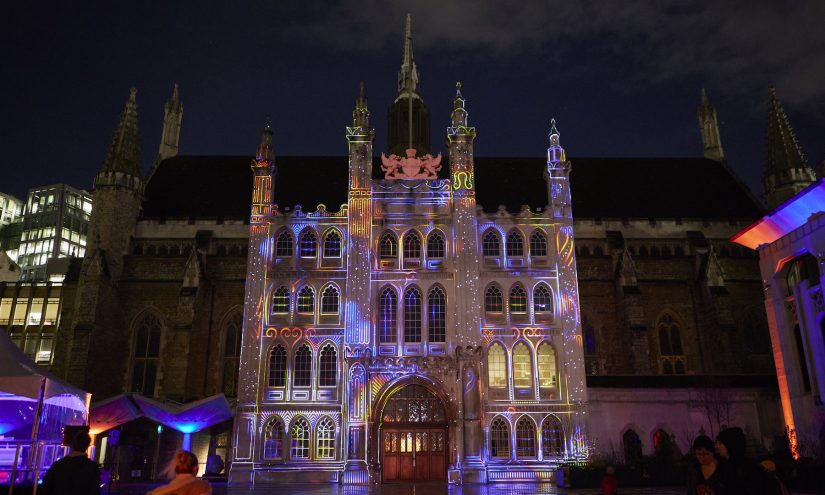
[[410, 166]]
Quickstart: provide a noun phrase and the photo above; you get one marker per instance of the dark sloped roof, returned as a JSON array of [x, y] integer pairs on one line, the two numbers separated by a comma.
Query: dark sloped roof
[[221, 186]]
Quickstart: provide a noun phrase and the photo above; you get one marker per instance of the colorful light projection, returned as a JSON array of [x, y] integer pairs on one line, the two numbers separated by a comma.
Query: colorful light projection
[[785, 218]]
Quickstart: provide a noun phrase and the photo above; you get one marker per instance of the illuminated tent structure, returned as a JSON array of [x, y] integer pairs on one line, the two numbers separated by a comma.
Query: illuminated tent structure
[[111, 413], [188, 418], [34, 407]]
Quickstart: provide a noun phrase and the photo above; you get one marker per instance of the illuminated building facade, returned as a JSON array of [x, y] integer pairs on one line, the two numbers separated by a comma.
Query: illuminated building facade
[[55, 226], [419, 283]]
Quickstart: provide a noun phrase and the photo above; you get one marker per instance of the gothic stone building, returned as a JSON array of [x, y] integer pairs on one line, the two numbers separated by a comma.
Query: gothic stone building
[[420, 317]]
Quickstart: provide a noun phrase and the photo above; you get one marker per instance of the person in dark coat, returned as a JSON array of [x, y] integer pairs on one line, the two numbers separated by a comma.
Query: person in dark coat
[[707, 476], [746, 478], [74, 474]]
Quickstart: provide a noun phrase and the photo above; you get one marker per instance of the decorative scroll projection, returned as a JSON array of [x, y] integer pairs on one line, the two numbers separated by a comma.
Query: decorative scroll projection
[[410, 167]]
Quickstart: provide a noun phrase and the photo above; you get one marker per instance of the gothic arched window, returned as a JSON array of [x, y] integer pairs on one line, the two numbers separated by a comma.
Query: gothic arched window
[[308, 244], [300, 439], [493, 300], [632, 446], [280, 301], [552, 438], [146, 356], [490, 244], [515, 244], [542, 300], [522, 366], [538, 244], [437, 312], [306, 300], [325, 439], [436, 247], [497, 365], [499, 439], [328, 366], [547, 366], [332, 244], [670, 342], [283, 244], [525, 438], [388, 246], [232, 354], [277, 366], [303, 366], [412, 315], [329, 300], [518, 299], [387, 310], [412, 246], [274, 440]]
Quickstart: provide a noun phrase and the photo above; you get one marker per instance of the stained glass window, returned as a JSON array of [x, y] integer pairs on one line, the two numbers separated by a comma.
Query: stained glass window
[[274, 439], [497, 365], [412, 246], [552, 441], [388, 246], [538, 244], [329, 300], [547, 365], [303, 366], [387, 309], [525, 438], [277, 366], [435, 245], [518, 299], [412, 315], [522, 366], [306, 300], [499, 439], [280, 301], [542, 301], [493, 301], [437, 311], [325, 439], [490, 244], [283, 244], [300, 439], [328, 366], [308, 244], [332, 244], [515, 244]]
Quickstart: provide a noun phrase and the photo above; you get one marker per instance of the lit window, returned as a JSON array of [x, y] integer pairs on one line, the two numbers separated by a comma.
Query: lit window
[[303, 366], [493, 301], [552, 441], [306, 300], [280, 301], [518, 300], [435, 245], [309, 245], [522, 366], [542, 302], [325, 439], [412, 246], [412, 315], [328, 366], [274, 440], [538, 244], [332, 244], [329, 300], [300, 439], [283, 245], [499, 439], [277, 366], [547, 365], [388, 306], [388, 246], [497, 366], [437, 311], [515, 244], [490, 245], [525, 438]]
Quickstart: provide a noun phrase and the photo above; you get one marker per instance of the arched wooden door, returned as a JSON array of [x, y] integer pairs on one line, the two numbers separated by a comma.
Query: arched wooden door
[[414, 437]]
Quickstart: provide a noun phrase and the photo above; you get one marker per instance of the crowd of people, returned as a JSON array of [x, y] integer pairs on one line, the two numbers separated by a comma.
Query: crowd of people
[[721, 468]]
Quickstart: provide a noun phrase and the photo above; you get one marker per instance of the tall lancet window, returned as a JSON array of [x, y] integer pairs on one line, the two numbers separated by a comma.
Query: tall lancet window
[[542, 301], [303, 366], [387, 310], [499, 439], [329, 300], [412, 315], [306, 300], [232, 355], [493, 300], [518, 299], [437, 312], [332, 244], [522, 366], [283, 244], [146, 356], [490, 244], [388, 246], [412, 246], [328, 366], [435, 245], [277, 366], [309, 244]]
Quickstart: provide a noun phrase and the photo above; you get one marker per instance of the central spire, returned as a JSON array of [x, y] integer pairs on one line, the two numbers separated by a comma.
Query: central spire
[[408, 117]]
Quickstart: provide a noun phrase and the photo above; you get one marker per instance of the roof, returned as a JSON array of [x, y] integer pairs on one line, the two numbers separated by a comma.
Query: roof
[[221, 186], [785, 218]]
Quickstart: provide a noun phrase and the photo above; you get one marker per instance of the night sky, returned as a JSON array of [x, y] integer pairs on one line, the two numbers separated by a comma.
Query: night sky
[[621, 78]]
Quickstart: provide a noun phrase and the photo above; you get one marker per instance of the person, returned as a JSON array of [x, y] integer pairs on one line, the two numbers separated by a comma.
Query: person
[[74, 474], [610, 484], [773, 485], [707, 476], [182, 470], [746, 478]]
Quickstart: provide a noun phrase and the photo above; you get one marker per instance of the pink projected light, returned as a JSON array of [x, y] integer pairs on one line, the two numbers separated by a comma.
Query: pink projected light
[[785, 218]]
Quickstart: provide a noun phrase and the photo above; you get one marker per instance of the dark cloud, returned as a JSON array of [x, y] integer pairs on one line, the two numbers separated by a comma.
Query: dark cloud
[[737, 45]]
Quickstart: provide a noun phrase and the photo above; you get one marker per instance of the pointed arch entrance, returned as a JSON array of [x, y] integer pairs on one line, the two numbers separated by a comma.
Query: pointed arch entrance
[[413, 436]]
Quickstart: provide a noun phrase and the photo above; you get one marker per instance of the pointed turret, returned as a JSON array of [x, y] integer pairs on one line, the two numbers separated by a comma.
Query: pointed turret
[[460, 138], [408, 118], [361, 113], [709, 129], [172, 117], [265, 152], [124, 153], [786, 171]]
